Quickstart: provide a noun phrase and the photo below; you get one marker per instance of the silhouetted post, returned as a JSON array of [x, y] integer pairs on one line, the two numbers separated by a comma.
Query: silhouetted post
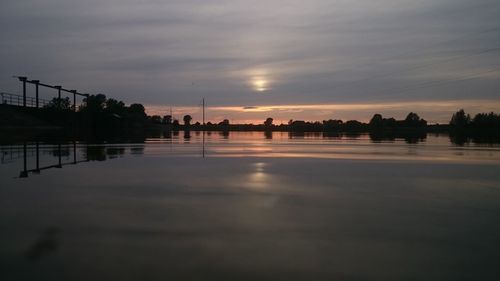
[[23, 79], [86, 98], [58, 91], [203, 136], [36, 91], [203, 113], [74, 100]]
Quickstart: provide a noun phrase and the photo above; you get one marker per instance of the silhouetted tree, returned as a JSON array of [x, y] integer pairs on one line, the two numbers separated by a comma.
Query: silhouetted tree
[[413, 120], [353, 125], [94, 104], [115, 107], [224, 122], [376, 121], [332, 125], [390, 122], [297, 125], [155, 119], [167, 119], [268, 122], [460, 119], [175, 123], [187, 120], [486, 121], [137, 108], [59, 104]]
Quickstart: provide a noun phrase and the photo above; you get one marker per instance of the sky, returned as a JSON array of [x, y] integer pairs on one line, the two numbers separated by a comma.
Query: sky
[[301, 60]]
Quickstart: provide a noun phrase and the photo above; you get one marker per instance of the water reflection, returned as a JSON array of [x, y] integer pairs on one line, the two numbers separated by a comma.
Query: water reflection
[[47, 242], [57, 151], [268, 135], [265, 144], [224, 134], [258, 178], [262, 200], [461, 139], [61, 155], [408, 137]]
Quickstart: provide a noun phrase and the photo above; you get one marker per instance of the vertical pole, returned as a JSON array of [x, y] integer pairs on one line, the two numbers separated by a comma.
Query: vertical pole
[[203, 140], [58, 91], [23, 80], [24, 93], [36, 94], [74, 100]]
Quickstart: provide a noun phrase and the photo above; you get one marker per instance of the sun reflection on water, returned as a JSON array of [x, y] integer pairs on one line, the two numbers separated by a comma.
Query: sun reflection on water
[[258, 178]]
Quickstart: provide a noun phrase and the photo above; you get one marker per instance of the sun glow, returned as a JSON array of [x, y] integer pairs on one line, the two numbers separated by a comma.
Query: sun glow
[[260, 84]]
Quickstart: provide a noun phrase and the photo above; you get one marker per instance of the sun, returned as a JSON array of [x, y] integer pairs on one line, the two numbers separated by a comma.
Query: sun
[[260, 84]]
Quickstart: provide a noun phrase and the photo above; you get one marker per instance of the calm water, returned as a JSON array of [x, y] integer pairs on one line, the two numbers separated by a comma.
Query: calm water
[[250, 206]]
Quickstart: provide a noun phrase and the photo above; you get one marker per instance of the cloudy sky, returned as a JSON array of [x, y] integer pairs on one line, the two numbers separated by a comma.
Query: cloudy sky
[[311, 60]]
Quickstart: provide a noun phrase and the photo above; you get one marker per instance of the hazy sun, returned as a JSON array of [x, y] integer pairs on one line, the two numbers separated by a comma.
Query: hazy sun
[[260, 84]]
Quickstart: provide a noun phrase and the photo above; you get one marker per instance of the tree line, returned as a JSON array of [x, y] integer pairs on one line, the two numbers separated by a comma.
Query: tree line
[[460, 122], [101, 114]]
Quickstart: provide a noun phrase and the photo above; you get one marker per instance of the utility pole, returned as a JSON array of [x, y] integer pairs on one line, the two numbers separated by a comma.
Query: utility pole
[[203, 111]]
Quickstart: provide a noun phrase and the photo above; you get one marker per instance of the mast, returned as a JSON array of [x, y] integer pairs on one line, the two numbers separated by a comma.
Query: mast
[[203, 101]]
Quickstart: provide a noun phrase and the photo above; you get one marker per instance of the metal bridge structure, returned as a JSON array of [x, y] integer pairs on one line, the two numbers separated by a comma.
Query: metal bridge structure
[[36, 102]]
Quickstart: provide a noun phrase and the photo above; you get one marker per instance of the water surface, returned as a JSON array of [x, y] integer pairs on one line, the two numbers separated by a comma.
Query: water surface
[[250, 206]]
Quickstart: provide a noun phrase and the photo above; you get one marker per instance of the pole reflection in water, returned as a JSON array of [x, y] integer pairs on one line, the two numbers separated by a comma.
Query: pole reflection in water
[[25, 172], [37, 157], [59, 156]]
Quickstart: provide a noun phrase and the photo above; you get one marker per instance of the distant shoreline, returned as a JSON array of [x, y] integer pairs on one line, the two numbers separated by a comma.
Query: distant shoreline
[[28, 122]]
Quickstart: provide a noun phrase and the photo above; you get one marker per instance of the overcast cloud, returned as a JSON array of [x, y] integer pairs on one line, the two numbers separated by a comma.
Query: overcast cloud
[[260, 53]]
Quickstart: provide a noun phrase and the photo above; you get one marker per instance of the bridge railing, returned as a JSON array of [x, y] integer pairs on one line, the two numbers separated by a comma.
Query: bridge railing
[[17, 100]]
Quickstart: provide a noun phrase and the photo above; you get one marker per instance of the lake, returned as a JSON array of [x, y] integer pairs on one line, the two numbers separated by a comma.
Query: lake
[[250, 206]]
